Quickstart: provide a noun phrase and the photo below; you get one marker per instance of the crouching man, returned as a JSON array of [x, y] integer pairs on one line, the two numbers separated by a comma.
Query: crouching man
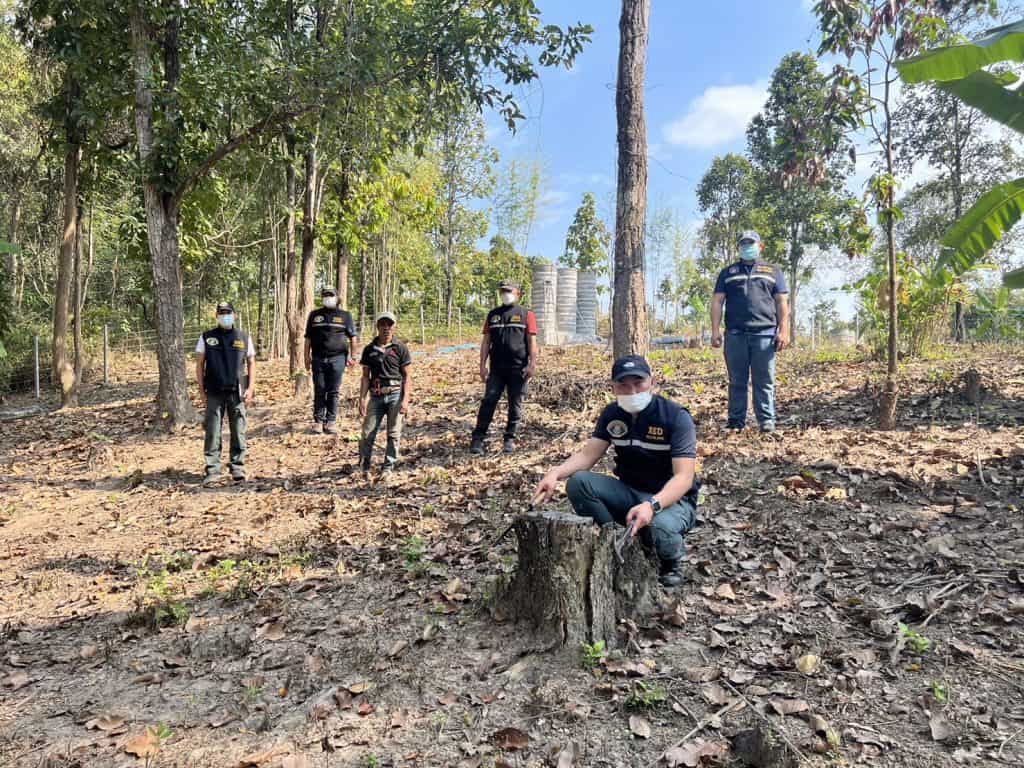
[[655, 490]]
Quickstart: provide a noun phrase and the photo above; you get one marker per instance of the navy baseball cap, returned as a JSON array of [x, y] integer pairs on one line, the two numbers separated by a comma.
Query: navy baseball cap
[[509, 285], [224, 307], [328, 291], [630, 365], [750, 235]]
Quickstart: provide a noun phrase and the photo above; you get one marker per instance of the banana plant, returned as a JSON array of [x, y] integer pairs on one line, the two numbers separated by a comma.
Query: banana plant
[[959, 70]]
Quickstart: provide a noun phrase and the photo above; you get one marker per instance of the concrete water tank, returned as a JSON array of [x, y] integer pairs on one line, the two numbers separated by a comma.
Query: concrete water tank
[[542, 297], [565, 302], [586, 305]]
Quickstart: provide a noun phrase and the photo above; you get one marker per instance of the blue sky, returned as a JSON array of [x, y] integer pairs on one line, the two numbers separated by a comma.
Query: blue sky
[[708, 67]]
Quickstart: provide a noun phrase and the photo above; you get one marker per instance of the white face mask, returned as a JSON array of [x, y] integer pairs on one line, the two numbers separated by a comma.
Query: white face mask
[[330, 302], [508, 298], [634, 403], [227, 322]]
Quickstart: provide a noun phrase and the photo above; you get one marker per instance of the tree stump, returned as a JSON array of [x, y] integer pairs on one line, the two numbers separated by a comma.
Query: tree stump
[[569, 585], [974, 391]]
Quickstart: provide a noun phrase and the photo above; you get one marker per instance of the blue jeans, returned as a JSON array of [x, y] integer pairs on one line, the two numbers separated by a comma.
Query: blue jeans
[[607, 499], [379, 408], [219, 404], [327, 375], [751, 358]]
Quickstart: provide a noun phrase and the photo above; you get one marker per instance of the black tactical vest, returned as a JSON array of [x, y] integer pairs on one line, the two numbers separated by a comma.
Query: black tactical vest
[[225, 360], [506, 327], [750, 297]]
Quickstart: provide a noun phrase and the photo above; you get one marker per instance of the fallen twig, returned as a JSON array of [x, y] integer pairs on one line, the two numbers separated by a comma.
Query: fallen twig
[[796, 750], [1007, 740], [697, 729]]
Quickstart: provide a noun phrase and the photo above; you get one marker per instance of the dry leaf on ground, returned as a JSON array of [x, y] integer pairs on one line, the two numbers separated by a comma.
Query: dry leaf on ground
[[639, 727]]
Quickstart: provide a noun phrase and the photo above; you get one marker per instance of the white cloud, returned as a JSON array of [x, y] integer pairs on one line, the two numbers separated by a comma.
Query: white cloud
[[718, 116]]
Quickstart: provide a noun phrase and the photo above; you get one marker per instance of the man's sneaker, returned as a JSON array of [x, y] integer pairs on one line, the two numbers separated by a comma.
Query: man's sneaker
[[670, 574], [211, 478], [768, 427], [330, 429], [476, 447], [510, 445], [318, 428], [734, 426], [238, 474]]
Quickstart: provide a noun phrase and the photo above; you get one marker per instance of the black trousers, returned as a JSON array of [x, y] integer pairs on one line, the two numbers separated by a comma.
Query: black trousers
[[512, 381], [327, 375]]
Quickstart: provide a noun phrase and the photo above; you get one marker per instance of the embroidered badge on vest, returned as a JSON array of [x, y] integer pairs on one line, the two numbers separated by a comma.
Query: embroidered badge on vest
[[213, 341], [495, 320], [516, 319], [617, 428], [656, 433], [733, 270], [238, 344], [318, 319]]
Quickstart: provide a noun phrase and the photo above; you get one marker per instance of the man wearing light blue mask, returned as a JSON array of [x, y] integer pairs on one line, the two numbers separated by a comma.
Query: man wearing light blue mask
[[755, 298], [654, 491]]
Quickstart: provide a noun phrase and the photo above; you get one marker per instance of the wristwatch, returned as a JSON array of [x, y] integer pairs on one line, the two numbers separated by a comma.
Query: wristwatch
[[655, 504]]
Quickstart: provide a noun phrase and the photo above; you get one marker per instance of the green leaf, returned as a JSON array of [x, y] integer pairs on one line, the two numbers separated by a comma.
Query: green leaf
[[1014, 280], [986, 93], [967, 242], [955, 62], [6, 247]]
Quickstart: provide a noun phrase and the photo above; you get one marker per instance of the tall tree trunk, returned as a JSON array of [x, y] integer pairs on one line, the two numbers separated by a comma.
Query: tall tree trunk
[[632, 334], [63, 370], [260, 286], [293, 307], [888, 397], [342, 256], [306, 287], [79, 292], [174, 409], [959, 322], [364, 327]]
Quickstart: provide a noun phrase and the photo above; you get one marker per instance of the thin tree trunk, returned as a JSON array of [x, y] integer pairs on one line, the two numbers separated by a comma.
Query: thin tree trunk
[[888, 397], [632, 334], [79, 302], [63, 370], [306, 287], [261, 280], [293, 309], [959, 323], [174, 409]]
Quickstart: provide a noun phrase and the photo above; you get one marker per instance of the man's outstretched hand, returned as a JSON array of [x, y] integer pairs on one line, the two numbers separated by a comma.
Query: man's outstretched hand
[[640, 516], [545, 488]]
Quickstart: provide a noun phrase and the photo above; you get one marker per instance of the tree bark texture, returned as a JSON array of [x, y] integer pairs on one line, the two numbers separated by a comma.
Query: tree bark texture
[[307, 286], [631, 331], [63, 370], [174, 408], [569, 586], [293, 308]]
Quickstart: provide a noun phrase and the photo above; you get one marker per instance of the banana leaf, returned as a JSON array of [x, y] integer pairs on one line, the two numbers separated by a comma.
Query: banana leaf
[[955, 62], [967, 241]]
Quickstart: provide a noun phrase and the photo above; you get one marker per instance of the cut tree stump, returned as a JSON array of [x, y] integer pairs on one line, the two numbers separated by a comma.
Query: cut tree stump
[[569, 585], [974, 389]]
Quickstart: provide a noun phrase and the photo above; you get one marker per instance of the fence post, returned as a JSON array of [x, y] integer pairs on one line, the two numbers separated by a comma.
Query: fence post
[[460, 325], [423, 328], [35, 345], [106, 355]]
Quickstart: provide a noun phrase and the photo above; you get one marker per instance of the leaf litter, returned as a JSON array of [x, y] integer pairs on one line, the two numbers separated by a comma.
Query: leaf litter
[[831, 531]]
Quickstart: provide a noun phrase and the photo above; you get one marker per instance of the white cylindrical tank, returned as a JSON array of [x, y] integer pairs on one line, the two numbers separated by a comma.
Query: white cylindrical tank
[[542, 297], [586, 305], [565, 302]]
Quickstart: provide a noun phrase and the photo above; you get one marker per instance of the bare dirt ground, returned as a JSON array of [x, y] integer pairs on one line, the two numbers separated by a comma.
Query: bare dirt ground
[[853, 596]]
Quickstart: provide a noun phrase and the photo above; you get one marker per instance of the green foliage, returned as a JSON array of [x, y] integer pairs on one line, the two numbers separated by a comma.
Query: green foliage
[[413, 550], [940, 691], [915, 641], [592, 654], [644, 696], [727, 195], [588, 239]]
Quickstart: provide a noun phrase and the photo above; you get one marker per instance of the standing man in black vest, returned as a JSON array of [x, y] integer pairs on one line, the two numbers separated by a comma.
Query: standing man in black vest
[[331, 344], [510, 343], [225, 363], [756, 301]]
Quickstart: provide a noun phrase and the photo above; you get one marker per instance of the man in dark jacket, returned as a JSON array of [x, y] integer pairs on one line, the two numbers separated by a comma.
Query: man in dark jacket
[[225, 363], [331, 344], [510, 345], [385, 391], [654, 491]]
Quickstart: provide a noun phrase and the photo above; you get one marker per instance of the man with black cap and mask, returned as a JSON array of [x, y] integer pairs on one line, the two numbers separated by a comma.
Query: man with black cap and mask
[[510, 345], [655, 489], [225, 363], [331, 344]]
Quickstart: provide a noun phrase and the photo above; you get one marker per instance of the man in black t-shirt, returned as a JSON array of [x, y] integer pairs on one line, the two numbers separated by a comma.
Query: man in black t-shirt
[[384, 391], [510, 344], [331, 344], [656, 488]]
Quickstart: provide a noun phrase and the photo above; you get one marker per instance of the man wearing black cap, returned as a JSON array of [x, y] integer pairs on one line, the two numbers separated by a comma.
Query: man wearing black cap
[[384, 391], [331, 344], [755, 297], [225, 359], [655, 489], [510, 343]]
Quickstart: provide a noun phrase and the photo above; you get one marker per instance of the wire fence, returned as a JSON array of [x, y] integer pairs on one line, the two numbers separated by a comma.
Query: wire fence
[[110, 354]]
